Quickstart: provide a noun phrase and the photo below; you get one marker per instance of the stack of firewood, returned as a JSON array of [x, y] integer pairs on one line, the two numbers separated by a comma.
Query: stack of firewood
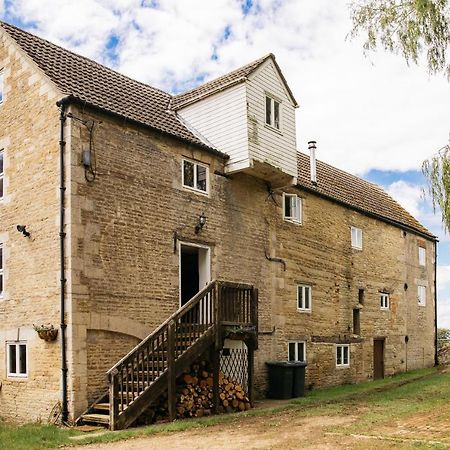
[[195, 394]]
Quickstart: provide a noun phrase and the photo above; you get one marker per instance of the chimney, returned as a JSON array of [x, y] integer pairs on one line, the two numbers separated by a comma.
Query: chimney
[[312, 159]]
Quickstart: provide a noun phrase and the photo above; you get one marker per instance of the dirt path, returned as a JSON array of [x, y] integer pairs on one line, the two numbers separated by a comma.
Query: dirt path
[[284, 430], [288, 430]]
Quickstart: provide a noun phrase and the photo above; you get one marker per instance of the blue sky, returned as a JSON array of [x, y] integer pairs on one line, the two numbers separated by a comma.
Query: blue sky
[[372, 115]]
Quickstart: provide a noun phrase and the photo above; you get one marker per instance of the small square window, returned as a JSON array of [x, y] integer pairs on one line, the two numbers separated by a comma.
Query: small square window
[[195, 176], [304, 297], [421, 295], [272, 112], [343, 355], [384, 300], [17, 364], [292, 208], [422, 256], [297, 351], [356, 238]]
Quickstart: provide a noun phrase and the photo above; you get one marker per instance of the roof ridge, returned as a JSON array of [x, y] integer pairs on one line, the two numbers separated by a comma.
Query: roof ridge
[[92, 61], [219, 83], [259, 61]]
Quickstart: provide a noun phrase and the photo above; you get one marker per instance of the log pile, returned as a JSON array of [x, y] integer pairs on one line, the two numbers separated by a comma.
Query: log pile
[[195, 394]]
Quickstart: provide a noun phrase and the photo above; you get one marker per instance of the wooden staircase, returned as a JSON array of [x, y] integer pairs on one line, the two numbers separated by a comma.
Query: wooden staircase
[[152, 367]]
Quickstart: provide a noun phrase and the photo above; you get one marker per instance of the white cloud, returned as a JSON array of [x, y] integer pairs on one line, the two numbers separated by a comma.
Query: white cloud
[[408, 195], [364, 113]]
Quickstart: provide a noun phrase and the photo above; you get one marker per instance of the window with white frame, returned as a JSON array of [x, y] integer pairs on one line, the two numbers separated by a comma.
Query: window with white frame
[[2, 173], [16, 357], [304, 297], [356, 238], [384, 300], [421, 295], [2, 270], [342, 355], [2, 96], [195, 176], [422, 256], [292, 208], [273, 112], [297, 351]]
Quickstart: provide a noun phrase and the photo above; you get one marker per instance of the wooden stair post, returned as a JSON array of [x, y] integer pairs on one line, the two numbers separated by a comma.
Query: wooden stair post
[[171, 375], [113, 403]]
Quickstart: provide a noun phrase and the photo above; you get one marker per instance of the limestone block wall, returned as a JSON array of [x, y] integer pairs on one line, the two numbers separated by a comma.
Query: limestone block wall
[[29, 139], [127, 224]]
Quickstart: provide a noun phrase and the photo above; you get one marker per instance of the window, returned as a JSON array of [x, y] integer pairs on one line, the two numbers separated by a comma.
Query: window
[[421, 295], [195, 176], [2, 268], [357, 238], [1, 86], [297, 351], [272, 112], [342, 355], [1, 174], [304, 297], [16, 354], [356, 322], [384, 300], [422, 256], [361, 296], [292, 208]]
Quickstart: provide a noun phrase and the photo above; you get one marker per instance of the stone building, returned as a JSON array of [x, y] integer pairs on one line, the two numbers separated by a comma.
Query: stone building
[[161, 194]]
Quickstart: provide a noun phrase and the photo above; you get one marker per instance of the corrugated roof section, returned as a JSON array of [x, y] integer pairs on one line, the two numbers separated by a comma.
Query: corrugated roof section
[[355, 192]]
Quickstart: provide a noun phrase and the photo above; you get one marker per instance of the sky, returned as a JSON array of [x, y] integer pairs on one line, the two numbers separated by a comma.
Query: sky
[[372, 115]]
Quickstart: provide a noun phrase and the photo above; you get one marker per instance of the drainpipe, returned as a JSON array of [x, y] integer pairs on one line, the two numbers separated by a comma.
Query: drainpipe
[[62, 236], [436, 359]]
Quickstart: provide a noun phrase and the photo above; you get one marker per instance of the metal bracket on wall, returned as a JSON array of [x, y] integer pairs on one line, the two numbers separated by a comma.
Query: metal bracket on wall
[[278, 260]]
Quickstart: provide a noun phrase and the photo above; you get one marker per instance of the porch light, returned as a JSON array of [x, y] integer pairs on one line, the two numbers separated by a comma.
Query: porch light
[[201, 223]]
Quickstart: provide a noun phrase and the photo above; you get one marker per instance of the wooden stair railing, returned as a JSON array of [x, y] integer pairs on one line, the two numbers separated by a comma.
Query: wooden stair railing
[[153, 365]]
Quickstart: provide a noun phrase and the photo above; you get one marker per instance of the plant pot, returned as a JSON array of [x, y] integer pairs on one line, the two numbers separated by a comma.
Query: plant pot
[[48, 335], [236, 336]]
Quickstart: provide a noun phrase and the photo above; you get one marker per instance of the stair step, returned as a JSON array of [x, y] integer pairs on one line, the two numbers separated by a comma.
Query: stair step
[[103, 407], [96, 418]]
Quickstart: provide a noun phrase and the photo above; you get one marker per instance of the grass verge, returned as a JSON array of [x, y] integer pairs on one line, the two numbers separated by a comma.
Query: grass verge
[[380, 401]]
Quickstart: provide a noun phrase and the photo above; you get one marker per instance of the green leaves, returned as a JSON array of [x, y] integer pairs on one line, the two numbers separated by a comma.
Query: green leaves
[[437, 172], [408, 27]]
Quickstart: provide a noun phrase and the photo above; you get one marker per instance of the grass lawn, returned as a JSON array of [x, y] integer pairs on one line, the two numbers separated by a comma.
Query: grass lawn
[[377, 404]]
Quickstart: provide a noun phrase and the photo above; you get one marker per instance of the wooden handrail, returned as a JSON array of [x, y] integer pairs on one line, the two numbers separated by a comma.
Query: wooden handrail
[[157, 355], [188, 305]]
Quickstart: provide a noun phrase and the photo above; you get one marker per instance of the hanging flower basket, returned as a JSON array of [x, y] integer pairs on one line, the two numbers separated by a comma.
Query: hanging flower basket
[[46, 332]]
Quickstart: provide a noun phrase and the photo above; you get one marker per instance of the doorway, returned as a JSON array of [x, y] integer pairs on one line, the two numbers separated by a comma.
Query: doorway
[[378, 359], [195, 270]]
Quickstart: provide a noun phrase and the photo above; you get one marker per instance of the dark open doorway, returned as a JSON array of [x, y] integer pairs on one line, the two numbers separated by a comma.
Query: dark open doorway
[[194, 270], [378, 359]]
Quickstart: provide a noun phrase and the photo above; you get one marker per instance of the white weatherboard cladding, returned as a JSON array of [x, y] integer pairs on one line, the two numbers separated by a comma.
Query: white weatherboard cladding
[[222, 120], [277, 148]]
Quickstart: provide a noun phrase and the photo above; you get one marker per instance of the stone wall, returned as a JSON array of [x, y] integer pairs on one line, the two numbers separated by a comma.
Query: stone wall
[[29, 138], [126, 262]]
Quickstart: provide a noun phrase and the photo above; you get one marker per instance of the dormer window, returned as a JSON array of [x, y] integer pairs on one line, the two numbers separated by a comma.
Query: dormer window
[[272, 112]]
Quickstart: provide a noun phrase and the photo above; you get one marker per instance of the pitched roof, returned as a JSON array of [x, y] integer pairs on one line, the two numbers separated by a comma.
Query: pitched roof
[[224, 82], [99, 86], [357, 193]]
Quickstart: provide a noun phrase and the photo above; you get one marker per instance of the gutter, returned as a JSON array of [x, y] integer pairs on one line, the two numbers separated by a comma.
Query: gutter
[[62, 237], [75, 100], [400, 225]]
